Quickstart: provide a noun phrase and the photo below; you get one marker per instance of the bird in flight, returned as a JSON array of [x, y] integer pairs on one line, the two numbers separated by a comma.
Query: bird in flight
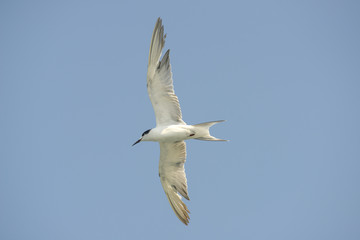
[[170, 131]]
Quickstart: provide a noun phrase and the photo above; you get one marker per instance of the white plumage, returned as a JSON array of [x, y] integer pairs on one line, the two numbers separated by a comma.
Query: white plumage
[[170, 130]]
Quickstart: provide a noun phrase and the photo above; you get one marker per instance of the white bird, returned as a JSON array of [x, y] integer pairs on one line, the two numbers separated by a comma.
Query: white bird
[[170, 130]]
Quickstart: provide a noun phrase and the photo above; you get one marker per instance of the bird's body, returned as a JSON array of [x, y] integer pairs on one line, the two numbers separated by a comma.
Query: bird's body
[[176, 133], [170, 131]]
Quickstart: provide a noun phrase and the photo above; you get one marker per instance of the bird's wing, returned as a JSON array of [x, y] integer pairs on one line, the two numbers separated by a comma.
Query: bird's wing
[[159, 81], [173, 178]]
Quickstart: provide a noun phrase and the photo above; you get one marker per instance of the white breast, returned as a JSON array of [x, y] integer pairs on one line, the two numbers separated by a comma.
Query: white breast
[[173, 133]]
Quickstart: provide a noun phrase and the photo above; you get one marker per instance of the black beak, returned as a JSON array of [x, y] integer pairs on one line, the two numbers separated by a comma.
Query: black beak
[[137, 141]]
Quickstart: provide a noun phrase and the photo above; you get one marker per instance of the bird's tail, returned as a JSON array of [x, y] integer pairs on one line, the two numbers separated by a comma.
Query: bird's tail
[[203, 130]]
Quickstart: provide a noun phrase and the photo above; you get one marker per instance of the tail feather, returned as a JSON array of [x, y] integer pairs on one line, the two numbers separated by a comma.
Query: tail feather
[[204, 131], [210, 138]]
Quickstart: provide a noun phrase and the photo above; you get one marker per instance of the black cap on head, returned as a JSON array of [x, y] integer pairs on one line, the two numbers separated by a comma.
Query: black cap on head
[[146, 132]]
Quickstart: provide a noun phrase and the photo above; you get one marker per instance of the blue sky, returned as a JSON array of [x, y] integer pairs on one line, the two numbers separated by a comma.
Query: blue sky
[[284, 74]]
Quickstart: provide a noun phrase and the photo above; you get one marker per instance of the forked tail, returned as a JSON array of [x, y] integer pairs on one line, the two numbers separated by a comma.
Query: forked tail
[[203, 131]]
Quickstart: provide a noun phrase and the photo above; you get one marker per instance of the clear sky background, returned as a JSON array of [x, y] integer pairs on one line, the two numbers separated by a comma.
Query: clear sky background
[[284, 74]]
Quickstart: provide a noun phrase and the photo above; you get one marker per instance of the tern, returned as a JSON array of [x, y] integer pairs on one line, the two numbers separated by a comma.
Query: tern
[[170, 131]]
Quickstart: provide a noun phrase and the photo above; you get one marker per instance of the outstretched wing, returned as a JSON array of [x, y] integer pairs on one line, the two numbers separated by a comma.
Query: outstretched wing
[[173, 178], [159, 81]]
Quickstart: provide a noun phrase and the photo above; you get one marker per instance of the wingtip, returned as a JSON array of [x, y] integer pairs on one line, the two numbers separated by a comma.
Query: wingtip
[[157, 42], [183, 212], [158, 21], [179, 207]]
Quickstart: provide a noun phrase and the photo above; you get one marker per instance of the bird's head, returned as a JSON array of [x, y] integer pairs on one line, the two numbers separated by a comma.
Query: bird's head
[[143, 136]]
